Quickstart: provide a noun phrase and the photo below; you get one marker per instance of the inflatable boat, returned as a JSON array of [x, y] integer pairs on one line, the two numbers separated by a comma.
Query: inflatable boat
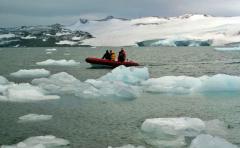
[[103, 62]]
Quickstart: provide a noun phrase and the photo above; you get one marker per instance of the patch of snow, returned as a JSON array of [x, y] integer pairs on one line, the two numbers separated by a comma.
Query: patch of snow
[[40, 142], [75, 38], [62, 62], [66, 42], [31, 73], [6, 36], [62, 33], [208, 141], [28, 37], [117, 32], [34, 118]]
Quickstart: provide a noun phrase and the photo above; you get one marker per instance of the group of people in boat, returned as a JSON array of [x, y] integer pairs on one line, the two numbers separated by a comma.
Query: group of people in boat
[[112, 56]]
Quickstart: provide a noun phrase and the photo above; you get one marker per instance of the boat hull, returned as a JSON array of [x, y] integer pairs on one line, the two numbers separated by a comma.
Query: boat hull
[[103, 62]]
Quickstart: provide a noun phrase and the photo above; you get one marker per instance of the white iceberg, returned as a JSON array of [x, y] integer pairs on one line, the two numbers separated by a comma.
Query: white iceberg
[[173, 132], [129, 75], [25, 92], [63, 83], [40, 142], [183, 126], [51, 49], [34, 118], [208, 141], [62, 62], [31, 73], [185, 84]]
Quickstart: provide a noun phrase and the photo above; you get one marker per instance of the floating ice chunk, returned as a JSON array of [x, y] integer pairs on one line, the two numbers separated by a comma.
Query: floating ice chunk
[[129, 75], [174, 126], [49, 52], [171, 132], [25, 92], [63, 83], [40, 142], [62, 62], [31, 73], [185, 84], [51, 49], [208, 141], [127, 146], [34, 118], [3, 80], [227, 48], [60, 83], [114, 89]]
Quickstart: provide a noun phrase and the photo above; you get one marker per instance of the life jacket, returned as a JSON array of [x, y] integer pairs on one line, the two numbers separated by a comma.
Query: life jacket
[[113, 56]]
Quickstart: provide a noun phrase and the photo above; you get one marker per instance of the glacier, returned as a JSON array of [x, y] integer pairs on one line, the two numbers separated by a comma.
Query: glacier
[[187, 30]]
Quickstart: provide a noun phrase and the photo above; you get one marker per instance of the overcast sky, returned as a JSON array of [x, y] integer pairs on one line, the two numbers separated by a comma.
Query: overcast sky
[[34, 12]]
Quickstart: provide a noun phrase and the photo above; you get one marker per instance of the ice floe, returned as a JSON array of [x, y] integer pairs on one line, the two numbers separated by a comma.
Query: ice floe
[[208, 141], [51, 49], [62, 62], [186, 84], [129, 75], [31, 73], [23, 92], [227, 48], [34, 118], [40, 142], [64, 83], [127, 146], [174, 132]]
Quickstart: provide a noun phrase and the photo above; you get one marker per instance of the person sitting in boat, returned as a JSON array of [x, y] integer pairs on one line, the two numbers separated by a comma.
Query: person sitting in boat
[[122, 55], [107, 55], [113, 56]]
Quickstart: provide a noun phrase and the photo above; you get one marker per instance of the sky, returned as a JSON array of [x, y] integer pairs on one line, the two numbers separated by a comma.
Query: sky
[[44, 12]]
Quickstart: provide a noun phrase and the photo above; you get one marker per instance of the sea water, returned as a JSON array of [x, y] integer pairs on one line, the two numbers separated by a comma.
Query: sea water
[[110, 121]]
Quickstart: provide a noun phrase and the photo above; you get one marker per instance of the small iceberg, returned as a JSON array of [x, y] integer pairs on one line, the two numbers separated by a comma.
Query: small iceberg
[[31, 73], [40, 142], [208, 141], [62, 62], [34, 118]]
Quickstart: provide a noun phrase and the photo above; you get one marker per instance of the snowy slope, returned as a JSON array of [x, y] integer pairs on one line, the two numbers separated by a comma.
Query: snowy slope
[[123, 32]]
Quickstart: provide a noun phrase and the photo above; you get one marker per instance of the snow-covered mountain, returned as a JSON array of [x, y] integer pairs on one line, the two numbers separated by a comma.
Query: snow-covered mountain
[[185, 30]]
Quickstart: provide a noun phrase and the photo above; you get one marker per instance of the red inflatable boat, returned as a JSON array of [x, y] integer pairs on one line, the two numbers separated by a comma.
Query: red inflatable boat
[[103, 62]]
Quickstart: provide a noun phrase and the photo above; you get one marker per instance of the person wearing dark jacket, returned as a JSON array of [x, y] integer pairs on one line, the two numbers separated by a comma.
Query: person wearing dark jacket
[[107, 55], [122, 55]]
